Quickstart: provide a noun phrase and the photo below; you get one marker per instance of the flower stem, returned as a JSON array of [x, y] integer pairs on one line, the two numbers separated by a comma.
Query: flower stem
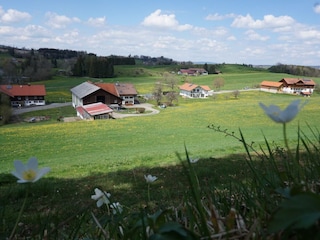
[[286, 140], [148, 192], [20, 214]]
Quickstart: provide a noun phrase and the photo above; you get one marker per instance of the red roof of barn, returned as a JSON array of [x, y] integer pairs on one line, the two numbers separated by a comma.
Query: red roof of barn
[[95, 109], [23, 90], [108, 87]]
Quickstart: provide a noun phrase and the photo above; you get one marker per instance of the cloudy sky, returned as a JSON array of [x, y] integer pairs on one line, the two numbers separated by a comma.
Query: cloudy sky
[[231, 31]]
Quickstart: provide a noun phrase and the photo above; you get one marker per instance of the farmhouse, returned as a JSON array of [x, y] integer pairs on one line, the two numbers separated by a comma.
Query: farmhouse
[[194, 91], [107, 93], [289, 85], [94, 111], [193, 71], [298, 86], [25, 95], [127, 92]]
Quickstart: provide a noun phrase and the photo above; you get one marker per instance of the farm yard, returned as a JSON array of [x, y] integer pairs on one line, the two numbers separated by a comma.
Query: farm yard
[[115, 154]]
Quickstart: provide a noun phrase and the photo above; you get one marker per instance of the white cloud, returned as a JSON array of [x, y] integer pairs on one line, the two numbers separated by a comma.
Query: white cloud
[[252, 35], [269, 21], [217, 16], [12, 16], [311, 34], [59, 21], [156, 19], [316, 8], [97, 22]]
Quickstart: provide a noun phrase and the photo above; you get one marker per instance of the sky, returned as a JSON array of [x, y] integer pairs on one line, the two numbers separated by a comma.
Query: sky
[[213, 31]]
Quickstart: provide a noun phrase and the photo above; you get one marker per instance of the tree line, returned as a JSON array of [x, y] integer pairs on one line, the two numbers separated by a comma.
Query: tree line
[[295, 70]]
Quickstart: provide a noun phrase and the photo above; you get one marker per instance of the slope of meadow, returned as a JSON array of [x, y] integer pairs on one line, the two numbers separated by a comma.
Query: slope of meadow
[[115, 154]]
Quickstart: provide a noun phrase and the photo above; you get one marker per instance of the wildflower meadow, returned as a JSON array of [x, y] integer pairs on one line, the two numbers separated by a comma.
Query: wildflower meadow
[[213, 176]]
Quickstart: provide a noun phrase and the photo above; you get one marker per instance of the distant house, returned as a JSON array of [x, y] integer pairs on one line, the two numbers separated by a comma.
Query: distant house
[[127, 92], [269, 86], [289, 85], [94, 111], [298, 86], [194, 91], [193, 71], [25, 95]]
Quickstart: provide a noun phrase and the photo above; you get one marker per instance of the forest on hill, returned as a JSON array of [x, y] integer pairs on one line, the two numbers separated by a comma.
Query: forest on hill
[[20, 66]]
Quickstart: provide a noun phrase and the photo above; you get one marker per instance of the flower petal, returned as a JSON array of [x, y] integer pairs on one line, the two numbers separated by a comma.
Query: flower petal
[[40, 173], [291, 111], [20, 168], [100, 202], [32, 163]]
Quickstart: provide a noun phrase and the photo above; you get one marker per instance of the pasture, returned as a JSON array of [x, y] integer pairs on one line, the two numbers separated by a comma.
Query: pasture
[[115, 154], [95, 146]]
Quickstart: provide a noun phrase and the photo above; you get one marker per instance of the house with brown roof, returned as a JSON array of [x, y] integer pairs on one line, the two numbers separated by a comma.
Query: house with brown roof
[[107, 93], [298, 86], [269, 86], [127, 92], [289, 85], [88, 93], [25, 95], [191, 90]]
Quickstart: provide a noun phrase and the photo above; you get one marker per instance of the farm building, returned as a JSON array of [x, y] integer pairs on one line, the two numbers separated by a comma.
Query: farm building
[[194, 91], [107, 93], [289, 85], [298, 86], [25, 95], [94, 111], [269, 86], [193, 71], [87, 93]]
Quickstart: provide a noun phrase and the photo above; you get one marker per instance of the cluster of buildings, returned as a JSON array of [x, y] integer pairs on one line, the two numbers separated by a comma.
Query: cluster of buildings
[[97, 100], [298, 86]]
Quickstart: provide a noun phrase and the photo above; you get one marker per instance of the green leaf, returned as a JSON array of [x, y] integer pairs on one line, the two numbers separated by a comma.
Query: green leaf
[[298, 212]]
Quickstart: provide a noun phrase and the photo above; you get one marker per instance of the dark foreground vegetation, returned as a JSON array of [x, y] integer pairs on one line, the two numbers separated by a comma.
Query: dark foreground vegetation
[[269, 193]]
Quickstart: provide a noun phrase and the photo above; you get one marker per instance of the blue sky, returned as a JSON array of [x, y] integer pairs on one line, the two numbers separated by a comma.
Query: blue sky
[[230, 31]]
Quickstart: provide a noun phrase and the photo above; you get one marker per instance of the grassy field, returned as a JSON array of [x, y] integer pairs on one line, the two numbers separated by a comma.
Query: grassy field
[[151, 140], [115, 154]]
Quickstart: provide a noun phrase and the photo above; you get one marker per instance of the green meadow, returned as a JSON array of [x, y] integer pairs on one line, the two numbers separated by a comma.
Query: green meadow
[[115, 154]]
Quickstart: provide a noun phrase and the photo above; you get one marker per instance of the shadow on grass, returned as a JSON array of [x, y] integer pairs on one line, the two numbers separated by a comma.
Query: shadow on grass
[[61, 201]]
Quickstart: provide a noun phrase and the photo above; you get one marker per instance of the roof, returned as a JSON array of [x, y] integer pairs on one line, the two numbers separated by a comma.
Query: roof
[[108, 87], [23, 90], [94, 109], [84, 89], [190, 86], [193, 70], [125, 89], [291, 81], [271, 84]]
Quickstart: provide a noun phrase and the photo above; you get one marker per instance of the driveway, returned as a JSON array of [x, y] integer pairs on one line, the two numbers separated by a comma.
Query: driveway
[[17, 111], [147, 106]]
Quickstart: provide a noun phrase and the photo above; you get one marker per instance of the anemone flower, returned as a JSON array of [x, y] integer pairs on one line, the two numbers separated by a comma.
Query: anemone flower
[[29, 172], [101, 197], [149, 178], [282, 116], [116, 208], [193, 160]]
